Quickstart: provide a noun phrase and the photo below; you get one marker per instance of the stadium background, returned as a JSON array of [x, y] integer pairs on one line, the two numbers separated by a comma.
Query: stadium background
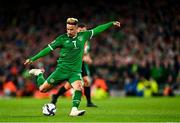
[[140, 59]]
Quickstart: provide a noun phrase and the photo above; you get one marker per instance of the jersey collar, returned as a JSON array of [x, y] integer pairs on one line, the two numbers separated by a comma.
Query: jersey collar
[[73, 37]]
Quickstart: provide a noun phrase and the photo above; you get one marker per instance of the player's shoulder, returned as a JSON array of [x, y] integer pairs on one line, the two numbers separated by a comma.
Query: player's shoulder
[[85, 32], [61, 37], [82, 32]]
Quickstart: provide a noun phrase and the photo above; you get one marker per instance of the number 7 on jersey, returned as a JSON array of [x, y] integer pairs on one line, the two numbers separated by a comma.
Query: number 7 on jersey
[[74, 42]]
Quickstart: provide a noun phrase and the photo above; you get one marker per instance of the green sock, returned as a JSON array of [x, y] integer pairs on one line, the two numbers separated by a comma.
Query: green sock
[[40, 79], [77, 98]]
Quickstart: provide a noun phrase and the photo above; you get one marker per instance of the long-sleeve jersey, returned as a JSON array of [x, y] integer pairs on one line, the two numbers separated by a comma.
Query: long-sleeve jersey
[[71, 49]]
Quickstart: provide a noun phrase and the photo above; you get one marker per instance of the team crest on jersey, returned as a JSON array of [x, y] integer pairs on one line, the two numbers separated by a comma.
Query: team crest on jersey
[[52, 80], [80, 38]]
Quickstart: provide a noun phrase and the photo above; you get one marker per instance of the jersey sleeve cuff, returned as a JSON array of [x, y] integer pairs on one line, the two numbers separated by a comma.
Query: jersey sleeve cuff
[[50, 47], [92, 33]]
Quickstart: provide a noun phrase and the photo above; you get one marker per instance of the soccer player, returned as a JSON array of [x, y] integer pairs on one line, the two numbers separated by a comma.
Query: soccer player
[[69, 65], [85, 74]]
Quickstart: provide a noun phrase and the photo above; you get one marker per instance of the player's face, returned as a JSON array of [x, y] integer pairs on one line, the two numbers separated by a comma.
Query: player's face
[[80, 29], [71, 30]]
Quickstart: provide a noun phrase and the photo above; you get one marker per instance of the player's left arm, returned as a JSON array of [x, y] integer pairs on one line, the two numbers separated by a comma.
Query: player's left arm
[[53, 45], [42, 53], [103, 27]]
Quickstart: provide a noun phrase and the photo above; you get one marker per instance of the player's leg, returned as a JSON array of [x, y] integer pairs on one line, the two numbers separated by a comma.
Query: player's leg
[[60, 92], [87, 91], [46, 85], [39, 74], [87, 83], [77, 84], [43, 85]]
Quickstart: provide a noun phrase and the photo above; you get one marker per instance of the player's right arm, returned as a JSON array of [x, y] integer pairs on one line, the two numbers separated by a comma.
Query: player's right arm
[[53, 45], [99, 29], [105, 26]]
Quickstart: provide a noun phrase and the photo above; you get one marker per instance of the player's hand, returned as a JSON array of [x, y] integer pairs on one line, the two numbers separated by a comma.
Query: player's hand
[[117, 23], [87, 59], [28, 61]]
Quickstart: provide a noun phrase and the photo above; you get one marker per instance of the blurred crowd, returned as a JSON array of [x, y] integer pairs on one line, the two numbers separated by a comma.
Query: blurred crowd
[[142, 57]]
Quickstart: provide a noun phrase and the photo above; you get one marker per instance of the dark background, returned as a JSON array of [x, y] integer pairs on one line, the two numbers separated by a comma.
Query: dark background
[[146, 47]]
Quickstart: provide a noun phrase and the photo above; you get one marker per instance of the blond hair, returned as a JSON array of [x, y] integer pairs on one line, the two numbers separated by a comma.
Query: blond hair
[[72, 21]]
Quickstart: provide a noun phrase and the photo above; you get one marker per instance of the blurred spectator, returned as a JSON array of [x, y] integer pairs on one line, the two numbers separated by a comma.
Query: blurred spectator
[[147, 45], [147, 88], [99, 88]]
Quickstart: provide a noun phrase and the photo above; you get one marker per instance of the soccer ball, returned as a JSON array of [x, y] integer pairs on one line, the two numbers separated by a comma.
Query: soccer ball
[[49, 109]]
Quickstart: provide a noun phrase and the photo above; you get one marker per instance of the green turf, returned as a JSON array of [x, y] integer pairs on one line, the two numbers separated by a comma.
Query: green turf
[[109, 110]]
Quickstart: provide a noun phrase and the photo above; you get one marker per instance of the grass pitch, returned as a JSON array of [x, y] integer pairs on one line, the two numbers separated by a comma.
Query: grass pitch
[[123, 109]]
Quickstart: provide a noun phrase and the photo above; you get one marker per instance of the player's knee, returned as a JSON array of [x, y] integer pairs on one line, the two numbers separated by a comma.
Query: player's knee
[[77, 86], [67, 86], [42, 90], [45, 87]]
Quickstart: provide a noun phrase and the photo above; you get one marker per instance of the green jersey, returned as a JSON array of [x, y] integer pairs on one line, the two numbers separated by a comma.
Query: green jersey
[[72, 49]]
